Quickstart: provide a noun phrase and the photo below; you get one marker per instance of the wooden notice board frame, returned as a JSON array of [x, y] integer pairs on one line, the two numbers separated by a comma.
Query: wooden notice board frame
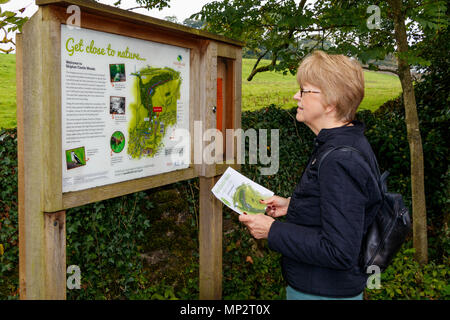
[[42, 203]]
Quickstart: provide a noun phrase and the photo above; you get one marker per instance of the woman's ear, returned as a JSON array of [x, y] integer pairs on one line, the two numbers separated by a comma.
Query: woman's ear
[[330, 109]]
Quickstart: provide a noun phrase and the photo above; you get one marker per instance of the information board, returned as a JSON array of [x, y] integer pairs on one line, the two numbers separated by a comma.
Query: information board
[[122, 101]]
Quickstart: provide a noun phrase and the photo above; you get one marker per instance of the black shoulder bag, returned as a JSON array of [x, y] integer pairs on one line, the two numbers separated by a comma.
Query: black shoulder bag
[[391, 224]]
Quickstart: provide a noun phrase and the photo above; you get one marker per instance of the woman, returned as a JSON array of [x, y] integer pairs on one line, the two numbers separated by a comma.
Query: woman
[[326, 217]]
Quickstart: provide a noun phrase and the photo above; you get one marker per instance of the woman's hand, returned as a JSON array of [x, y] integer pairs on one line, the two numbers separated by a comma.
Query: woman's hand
[[258, 224], [276, 206]]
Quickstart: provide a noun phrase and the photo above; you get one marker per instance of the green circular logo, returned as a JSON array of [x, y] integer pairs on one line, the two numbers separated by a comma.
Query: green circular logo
[[117, 142]]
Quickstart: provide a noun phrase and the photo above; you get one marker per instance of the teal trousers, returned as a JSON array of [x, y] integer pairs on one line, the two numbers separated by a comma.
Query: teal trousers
[[292, 294]]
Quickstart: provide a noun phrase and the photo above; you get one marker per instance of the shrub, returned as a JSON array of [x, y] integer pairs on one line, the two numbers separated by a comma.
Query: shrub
[[407, 279], [9, 251], [104, 240]]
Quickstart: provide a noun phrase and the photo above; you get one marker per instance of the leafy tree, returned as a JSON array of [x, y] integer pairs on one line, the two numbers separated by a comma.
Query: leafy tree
[[432, 13], [286, 32], [173, 19], [193, 23], [269, 27]]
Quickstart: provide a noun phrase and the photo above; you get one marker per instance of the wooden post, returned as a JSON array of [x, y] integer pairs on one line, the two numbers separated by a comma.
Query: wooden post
[[210, 237], [210, 233], [213, 67], [42, 244], [31, 217], [55, 255]]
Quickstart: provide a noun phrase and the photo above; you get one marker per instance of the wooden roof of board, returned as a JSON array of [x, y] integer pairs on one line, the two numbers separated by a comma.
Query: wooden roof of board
[[92, 6]]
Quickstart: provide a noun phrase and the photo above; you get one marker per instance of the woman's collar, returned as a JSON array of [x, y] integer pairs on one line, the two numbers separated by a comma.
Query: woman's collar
[[326, 133]]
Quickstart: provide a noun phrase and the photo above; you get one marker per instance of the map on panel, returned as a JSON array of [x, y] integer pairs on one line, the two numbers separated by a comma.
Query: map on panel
[[156, 93]]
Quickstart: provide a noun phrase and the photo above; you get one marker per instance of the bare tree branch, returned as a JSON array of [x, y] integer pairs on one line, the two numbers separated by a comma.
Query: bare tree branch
[[301, 5], [140, 7], [259, 59], [394, 71], [263, 68]]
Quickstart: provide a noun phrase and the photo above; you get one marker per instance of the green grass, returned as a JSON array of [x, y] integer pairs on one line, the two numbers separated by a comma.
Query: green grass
[[264, 89], [274, 87], [8, 91]]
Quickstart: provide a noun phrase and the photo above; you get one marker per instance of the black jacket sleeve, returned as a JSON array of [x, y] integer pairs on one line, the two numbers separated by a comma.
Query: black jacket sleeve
[[343, 197]]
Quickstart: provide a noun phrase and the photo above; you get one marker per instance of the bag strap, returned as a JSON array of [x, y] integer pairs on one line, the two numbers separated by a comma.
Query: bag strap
[[381, 181]]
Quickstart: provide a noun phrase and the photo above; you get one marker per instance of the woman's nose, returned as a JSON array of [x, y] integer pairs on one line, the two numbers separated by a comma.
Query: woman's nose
[[297, 96]]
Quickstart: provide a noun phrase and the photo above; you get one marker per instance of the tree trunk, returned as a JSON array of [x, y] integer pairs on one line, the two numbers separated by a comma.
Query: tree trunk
[[419, 214]]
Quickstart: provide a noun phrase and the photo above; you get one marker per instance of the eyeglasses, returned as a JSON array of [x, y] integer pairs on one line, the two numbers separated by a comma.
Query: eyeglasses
[[307, 91]]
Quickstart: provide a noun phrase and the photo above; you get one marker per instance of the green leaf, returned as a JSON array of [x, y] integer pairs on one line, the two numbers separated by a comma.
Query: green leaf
[[8, 14], [157, 296], [4, 1]]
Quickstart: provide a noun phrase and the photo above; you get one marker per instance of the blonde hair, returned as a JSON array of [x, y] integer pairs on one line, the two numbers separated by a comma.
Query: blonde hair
[[340, 79]]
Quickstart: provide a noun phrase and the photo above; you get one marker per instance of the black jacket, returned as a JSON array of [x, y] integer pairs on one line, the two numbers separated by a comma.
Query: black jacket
[[321, 238]]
